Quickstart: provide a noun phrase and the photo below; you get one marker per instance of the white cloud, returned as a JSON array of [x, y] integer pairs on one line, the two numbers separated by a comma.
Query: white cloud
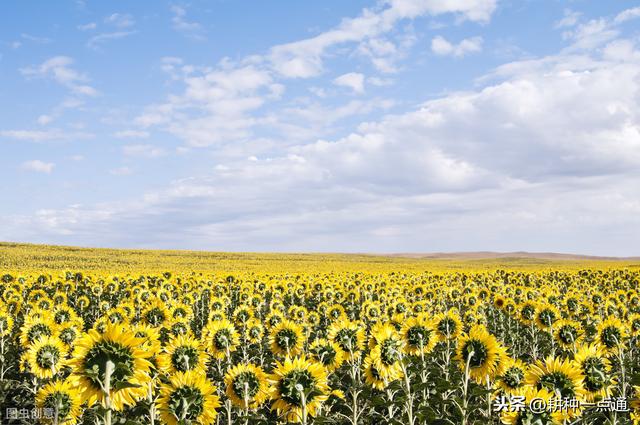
[[180, 23], [99, 39], [546, 149], [352, 80], [132, 134], [120, 20], [38, 166], [44, 135], [122, 171], [627, 15], [219, 103], [59, 68], [87, 27], [35, 39], [569, 19], [440, 46], [304, 59], [45, 119], [144, 150]]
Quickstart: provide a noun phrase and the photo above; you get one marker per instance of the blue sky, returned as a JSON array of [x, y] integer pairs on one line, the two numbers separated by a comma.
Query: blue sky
[[361, 126]]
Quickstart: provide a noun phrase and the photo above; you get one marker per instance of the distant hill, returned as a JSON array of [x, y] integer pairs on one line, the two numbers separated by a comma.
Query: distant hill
[[481, 255], [37, 258]]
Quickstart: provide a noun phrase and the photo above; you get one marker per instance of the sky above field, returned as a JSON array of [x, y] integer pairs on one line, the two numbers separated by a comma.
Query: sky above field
[[349, 126]]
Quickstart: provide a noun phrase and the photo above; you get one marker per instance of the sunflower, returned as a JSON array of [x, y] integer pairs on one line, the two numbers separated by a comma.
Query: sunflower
[[150, 336], [68, 334], [596, 368], [567, 333], [527, 415], [499, 302], [611, 335], [65, 315], [188, 398], [419, 335], [6, 322], [63, 400], [349, 336], [273, 319], [634, 324], [286, 338], [528, 312], [386, 347], [336, 312], [117, 316], [546, 316], [242, 315], [46, 357], [254, 331], [181, 311], [155, 314], [328, 353], [182, 354], [179, 327], [372, 311], [247, 386], [222, 339], [372, 375], [117, 357], [511, 378], [298, 388], [448, 325], [34, 328], [560, 377], [83, 302], [482, 352], [219, 303]]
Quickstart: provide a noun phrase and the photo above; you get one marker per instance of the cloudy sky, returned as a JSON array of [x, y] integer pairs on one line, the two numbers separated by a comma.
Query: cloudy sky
[[350, 126]]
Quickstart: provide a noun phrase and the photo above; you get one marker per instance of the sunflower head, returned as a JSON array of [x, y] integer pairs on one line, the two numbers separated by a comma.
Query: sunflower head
[[372, 374], [419, 335], [188, 397], [567, 333], [181, 355], [46, 357], [349, 336], [328, 353], [448, 325], [36, 327], [115, 357], [63, 400], [561, 377], [546, 316], [529, 416], [6, 322], [612, 334], [247, 386], [480, 353], [298, 386], [511, 378], [222, 338], [286, 338], [596, 368]]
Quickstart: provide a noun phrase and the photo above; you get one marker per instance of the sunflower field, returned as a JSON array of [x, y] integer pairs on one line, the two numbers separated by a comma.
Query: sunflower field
[[384, 347]]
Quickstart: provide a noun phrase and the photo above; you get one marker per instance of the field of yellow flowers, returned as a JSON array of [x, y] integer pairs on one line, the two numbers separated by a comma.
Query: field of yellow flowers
[[112, 337]]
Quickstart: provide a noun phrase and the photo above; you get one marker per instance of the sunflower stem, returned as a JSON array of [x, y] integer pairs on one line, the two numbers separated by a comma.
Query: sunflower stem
[[407, 383], [1, 354], [465, 388], [152, 406], [109, 369], [303, 399]]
